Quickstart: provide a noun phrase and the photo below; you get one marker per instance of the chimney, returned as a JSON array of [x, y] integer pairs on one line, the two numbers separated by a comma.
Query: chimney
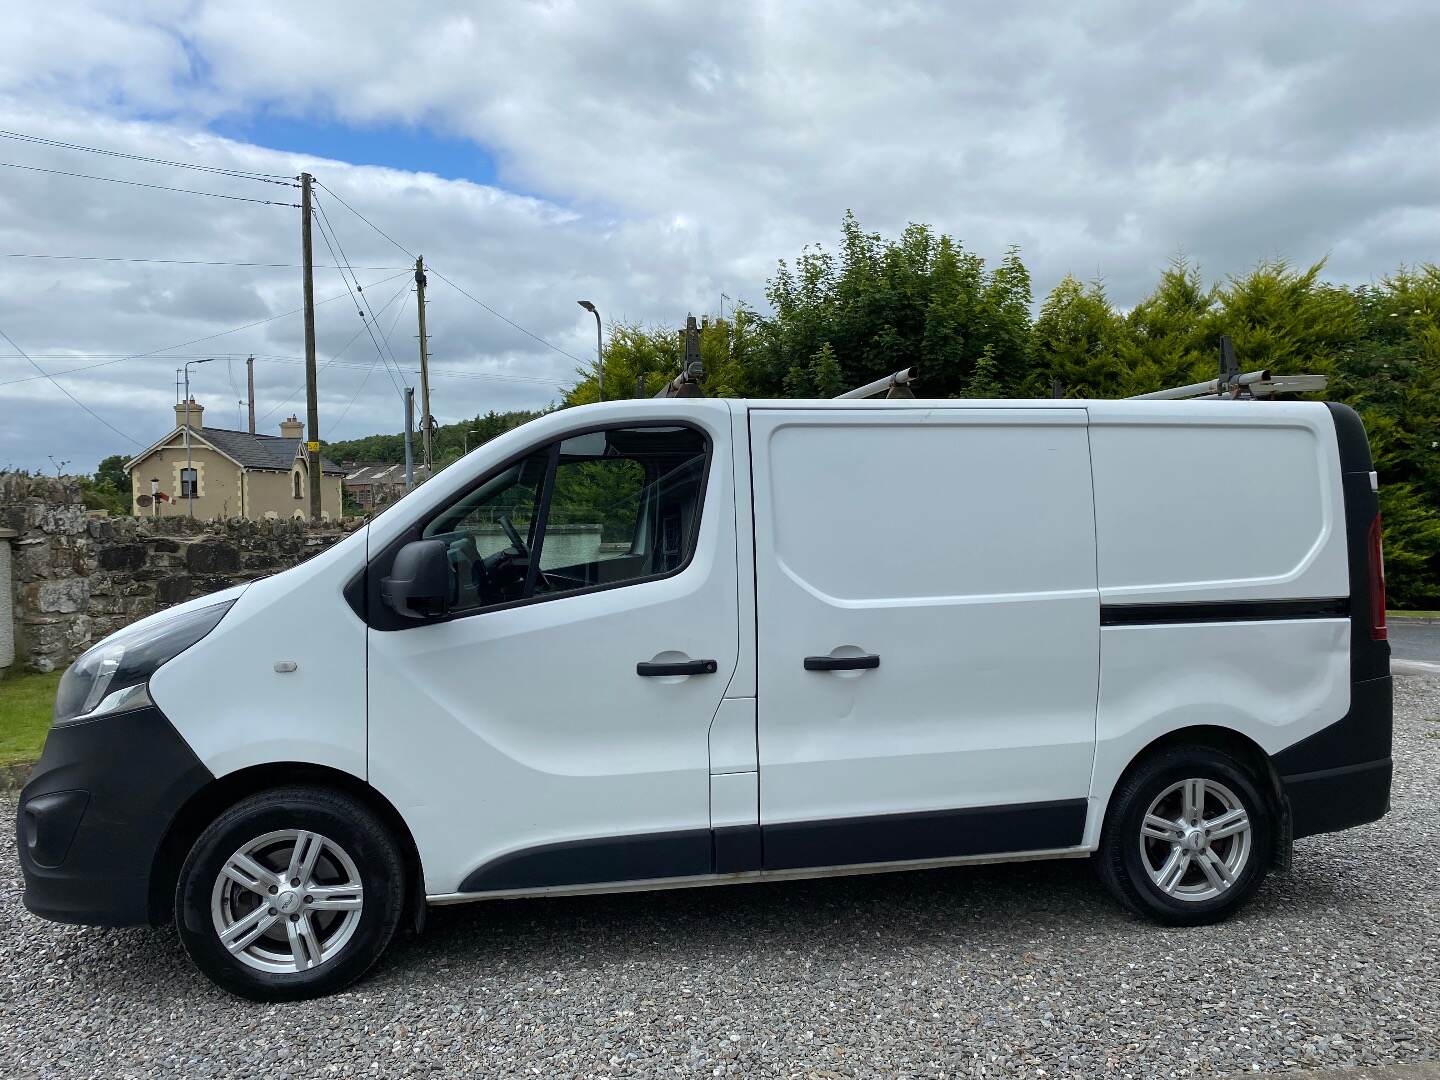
[[292, 429], [196, 413]]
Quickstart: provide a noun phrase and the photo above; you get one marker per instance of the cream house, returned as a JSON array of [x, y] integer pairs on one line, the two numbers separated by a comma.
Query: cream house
[[230, 473]]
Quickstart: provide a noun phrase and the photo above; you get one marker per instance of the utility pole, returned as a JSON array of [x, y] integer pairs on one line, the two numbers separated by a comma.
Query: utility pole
[[409, 437], [425, 420], [312, 402], [250, 387]]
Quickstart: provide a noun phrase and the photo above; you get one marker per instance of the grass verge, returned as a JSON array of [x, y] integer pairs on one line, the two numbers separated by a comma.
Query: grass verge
[[26, 701]]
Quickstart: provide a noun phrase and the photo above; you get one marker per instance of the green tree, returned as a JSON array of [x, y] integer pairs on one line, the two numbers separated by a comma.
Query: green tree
[[112, 472], [109, 488], [1171, 338], [1077, 340]]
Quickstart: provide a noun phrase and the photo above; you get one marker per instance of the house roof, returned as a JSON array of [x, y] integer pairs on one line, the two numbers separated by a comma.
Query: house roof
[[251, 451], [360, 474]]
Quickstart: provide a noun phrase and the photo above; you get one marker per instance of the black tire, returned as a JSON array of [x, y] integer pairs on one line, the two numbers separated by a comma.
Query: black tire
[[340, 820], [1121, 859]]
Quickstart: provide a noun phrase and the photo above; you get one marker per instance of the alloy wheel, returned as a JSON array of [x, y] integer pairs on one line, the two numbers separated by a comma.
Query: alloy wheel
[[288, 901], [1195, 840]]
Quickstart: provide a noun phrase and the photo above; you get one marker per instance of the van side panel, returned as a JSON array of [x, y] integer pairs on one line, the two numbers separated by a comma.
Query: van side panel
[[955, 548], [229, 702], [1224, 577]]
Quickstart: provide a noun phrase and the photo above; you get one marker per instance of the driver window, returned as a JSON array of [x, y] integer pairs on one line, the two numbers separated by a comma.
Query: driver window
[[481, 531], [622, 505]]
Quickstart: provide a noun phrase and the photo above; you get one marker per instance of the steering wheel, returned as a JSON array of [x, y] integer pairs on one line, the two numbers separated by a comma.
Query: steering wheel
[[509, 526]]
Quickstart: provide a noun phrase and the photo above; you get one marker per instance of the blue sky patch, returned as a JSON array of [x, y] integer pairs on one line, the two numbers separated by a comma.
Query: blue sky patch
[[398, 147]]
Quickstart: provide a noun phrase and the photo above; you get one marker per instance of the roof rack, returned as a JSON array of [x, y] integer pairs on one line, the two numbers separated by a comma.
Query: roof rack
[[692, 372], [892, 386], [1233, 384]]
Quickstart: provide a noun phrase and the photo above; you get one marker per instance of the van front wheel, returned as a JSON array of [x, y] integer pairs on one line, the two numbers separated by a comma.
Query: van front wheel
[[291, 893], [1187, 837]]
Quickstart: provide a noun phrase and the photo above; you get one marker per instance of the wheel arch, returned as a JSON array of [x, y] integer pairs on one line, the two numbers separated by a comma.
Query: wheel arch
[[212, 800], [1238, 745]]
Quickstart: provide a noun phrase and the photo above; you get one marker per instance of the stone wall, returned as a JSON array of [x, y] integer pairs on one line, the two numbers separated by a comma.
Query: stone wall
[[78, 575]]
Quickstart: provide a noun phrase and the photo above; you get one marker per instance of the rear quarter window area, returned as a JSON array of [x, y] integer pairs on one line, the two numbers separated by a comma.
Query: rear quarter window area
[[1218, 510]]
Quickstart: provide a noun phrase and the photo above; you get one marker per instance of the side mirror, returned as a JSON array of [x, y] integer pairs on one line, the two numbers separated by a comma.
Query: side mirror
[[419, 583]]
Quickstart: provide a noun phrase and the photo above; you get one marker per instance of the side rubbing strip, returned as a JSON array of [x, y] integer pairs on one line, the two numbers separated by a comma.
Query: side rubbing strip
[[1207, 611]]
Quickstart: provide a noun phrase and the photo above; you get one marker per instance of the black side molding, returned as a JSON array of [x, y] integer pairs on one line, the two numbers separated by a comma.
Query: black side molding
[[801, 845], [1204, 611], [939, 834]]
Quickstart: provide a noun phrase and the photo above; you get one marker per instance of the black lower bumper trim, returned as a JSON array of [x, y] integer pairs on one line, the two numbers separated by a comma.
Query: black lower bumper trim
[[94, 813], [1339, 798]]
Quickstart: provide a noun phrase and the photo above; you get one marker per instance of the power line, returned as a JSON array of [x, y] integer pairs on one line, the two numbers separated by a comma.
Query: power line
[[245, 174], [324, 222], [370, 371], [367, 221], [207, 337], [442, 277], [68, 394], [157, 187], [502, 318], [335, 358], [183, 262], [260, 358]]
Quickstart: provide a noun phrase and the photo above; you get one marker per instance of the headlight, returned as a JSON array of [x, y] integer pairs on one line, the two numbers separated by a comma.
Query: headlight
[[112, 676]]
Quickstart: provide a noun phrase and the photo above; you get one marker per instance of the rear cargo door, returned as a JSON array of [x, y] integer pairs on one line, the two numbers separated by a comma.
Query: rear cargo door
[[928, 631]]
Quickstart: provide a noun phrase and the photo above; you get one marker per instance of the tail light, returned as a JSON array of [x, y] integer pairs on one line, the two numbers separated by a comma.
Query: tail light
[[1378, 630]]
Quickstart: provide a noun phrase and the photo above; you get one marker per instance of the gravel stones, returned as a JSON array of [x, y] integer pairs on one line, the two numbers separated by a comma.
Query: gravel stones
[[1020, 970]]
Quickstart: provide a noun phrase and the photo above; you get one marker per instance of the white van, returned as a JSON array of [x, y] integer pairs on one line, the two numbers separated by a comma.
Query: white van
[[659, 643]]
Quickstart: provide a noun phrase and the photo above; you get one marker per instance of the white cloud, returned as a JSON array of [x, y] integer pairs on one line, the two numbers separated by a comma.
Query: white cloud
[[678, 150]]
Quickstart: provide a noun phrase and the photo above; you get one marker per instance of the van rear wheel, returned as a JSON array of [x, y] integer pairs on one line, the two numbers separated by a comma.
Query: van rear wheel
[[291, 893], [1188, 837]]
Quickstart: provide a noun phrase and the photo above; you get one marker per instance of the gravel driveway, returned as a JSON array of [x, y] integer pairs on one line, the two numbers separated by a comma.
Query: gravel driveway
[[1018, 970]]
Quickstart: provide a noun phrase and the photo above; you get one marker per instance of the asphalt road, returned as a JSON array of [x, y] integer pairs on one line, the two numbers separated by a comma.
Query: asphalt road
[[1021, 970], [1414, 639]]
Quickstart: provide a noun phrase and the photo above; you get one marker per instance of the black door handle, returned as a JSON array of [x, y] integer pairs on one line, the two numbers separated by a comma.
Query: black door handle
[[679, 667], [841, 663]]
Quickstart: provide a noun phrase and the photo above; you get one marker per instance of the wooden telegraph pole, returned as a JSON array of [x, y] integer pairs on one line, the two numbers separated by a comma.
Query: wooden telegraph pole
[[250, 390], [426, 421], [314, 479]]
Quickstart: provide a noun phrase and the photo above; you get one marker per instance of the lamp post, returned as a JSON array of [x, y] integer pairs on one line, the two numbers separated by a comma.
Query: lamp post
[[465, 440], [599, 348], [189, 467], [155, 496]]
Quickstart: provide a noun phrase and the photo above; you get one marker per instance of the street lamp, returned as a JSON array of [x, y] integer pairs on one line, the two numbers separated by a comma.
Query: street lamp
[[189, 467], [599, 349], [465, 440]]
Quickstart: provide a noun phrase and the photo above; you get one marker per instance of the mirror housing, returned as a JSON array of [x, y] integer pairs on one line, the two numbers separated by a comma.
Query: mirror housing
[[418, 586]]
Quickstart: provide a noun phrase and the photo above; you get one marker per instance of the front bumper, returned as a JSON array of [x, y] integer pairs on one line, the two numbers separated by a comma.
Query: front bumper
[[94, 813]]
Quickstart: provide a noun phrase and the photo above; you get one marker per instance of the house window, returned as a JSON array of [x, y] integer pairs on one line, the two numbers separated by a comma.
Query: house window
[[188, 484], [295, 483]]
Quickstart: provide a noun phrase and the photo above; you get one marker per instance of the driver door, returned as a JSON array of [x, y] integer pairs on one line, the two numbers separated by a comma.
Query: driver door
[[526, 737]]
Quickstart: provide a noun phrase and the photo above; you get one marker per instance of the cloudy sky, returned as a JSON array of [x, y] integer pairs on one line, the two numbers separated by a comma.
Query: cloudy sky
[[646, 156]]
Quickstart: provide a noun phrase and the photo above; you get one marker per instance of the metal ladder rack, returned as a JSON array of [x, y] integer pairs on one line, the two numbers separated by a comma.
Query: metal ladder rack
[[1234, 385]]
